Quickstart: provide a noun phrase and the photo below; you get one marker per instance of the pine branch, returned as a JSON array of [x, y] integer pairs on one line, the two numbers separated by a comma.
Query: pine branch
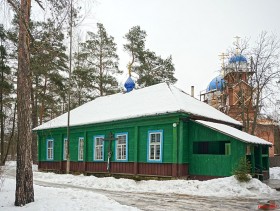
[[40, 4], [16, 6]]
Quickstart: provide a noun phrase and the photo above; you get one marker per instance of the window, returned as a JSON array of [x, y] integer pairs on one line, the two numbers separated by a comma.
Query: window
[[98, 148], [65, 148], [212, 147], [81, 149], [50, 149], [155, 146], [121, 147], [201, 148]]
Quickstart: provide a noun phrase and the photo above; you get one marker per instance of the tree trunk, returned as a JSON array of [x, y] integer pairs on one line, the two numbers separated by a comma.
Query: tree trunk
[[43, 101], [24, 177], [1, 113], [254, 123], [34, 122], [12, 134]]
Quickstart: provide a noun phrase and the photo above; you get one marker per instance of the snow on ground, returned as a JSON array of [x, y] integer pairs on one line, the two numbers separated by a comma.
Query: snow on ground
[[46, 197], [274, 173], [222, 187]]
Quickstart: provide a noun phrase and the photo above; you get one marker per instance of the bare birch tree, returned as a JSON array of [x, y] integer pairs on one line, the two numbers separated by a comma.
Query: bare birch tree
[[265, 65], [262, 73]]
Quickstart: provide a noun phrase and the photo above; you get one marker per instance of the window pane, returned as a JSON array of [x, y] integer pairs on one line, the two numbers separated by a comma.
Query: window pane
[[99, 141], [119, 153], [157, 151], [124, 151], [153, 138], [122, 139], [157, 137], [50, 144], [152, 152]]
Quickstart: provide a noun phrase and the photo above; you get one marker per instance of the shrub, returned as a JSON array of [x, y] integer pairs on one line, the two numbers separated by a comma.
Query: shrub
[[242, 170]]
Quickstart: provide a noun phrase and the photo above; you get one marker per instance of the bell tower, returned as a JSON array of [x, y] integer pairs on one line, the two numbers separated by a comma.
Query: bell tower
[[231, 92], [238, 90]]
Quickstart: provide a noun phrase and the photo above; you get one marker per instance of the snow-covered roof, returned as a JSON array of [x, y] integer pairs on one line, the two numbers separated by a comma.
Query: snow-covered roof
[[233, 132], [154, 100]]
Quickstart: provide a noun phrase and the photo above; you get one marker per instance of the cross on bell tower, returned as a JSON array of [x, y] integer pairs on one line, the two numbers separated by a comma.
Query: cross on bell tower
[[236, 43], [223, 56]]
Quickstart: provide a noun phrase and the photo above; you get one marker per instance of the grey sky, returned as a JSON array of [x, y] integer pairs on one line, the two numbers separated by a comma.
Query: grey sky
[[193, 32]]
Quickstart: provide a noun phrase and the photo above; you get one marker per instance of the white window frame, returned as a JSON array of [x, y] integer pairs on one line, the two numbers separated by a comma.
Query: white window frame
[[98, 148], [65, 148], [50, 149], [154, 146], [81, 148], [121, 149]]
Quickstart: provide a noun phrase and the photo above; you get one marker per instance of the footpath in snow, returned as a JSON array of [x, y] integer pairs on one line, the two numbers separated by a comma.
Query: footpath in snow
[[69, 199]]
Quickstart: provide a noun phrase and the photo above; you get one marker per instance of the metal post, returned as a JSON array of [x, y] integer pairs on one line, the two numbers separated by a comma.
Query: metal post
[[69, 91]]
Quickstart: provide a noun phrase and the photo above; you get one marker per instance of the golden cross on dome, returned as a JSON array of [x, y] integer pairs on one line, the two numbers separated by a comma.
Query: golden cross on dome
[[222, 57]]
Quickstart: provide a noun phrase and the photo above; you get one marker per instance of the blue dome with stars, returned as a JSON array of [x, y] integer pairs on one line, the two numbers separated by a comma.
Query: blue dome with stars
[[216, 84], [129, 84], [237, 59]]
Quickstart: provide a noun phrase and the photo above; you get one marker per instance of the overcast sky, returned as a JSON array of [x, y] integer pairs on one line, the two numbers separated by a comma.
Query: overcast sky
[[194, 32]]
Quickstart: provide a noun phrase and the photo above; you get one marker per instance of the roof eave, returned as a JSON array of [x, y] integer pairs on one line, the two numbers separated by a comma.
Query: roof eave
[[197, 117]]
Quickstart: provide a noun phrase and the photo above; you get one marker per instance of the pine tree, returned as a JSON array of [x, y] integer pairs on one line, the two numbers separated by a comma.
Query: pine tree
[[48, 62], [242, 170], [24, 177], [83, 85], [135, 46], [150, 68], [96, 66], [47, 65], [153, 70], [6, 87]]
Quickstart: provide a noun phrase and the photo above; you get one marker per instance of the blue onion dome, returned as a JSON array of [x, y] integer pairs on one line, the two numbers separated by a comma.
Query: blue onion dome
[[237, 59], [216, 84], [129, 84]]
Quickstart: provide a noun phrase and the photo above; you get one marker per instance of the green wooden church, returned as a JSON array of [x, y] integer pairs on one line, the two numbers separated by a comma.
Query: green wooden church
[[157, 131]]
